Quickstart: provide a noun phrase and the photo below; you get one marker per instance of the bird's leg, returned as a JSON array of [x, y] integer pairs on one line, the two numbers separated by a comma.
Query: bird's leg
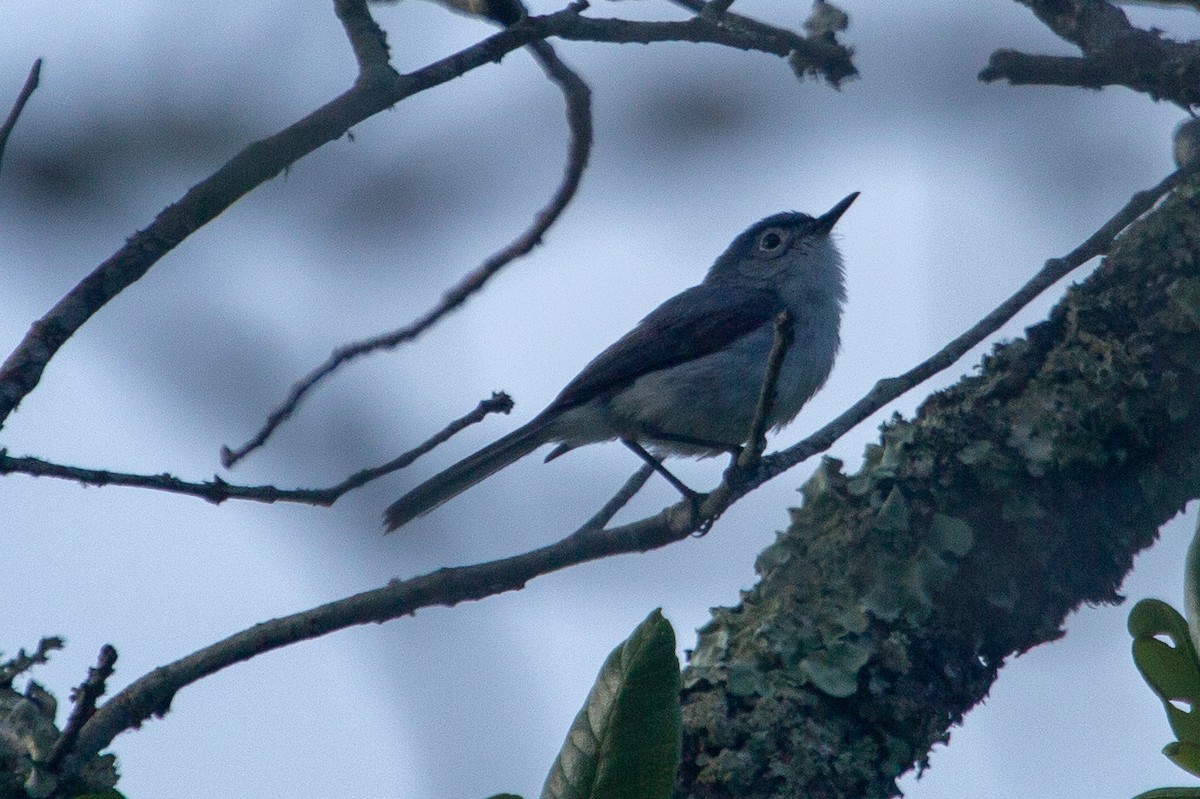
[[655, 464]]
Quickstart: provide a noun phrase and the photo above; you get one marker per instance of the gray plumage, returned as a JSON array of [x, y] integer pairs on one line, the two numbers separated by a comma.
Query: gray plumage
[[686, 379]]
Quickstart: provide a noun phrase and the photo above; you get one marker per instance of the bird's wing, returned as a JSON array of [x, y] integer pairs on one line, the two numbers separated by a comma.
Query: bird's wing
[[690, 325]]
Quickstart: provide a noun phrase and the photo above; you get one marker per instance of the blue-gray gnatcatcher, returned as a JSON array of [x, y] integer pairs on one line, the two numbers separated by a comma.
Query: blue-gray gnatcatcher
[[687, 379]]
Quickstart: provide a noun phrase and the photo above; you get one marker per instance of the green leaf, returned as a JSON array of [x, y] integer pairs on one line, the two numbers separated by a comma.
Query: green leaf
[[625, 742], [1170, 793], [1171, 669], [1184, 755], [1191, 587], [109, 793]]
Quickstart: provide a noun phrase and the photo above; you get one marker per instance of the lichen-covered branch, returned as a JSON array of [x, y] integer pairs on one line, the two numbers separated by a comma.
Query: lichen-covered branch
[[886, 609]]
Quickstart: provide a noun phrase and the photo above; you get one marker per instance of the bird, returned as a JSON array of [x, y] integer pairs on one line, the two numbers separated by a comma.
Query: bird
[[686, 380]]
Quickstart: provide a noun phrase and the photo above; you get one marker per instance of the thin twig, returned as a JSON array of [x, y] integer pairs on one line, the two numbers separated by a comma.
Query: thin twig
[[746, 461], [218, 490], [579, 121], [84, 697], [31, 83], [620, 499], [756, 441]]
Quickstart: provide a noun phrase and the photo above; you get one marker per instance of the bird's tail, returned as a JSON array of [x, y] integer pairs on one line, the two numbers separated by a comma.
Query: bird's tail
[[448, 484]]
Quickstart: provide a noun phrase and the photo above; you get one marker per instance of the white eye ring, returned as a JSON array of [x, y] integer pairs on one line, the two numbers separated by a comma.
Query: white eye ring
[[771, 241]]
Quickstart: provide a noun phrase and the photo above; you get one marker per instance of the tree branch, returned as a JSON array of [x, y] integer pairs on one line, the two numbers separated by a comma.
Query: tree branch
[[84, 697], [1115, 53], [814, 56], [217, 490]]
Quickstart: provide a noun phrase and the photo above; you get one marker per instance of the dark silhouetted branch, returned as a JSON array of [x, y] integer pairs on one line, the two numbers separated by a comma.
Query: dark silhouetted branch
[[1115, 53], [218, 490], [809, 56]]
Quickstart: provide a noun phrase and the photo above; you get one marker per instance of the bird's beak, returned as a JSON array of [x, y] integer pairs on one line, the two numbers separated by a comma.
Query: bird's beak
[[827, 220]]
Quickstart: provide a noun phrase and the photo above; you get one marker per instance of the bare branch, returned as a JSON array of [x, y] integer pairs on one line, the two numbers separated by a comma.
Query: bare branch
[[1115, 53], [84, 697], [579, 120], [218, 490], [31, 84], [620, 499], [808, 55]]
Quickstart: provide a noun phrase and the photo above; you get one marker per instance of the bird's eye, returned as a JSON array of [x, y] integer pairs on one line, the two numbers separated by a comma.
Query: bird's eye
[[771, 241]]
